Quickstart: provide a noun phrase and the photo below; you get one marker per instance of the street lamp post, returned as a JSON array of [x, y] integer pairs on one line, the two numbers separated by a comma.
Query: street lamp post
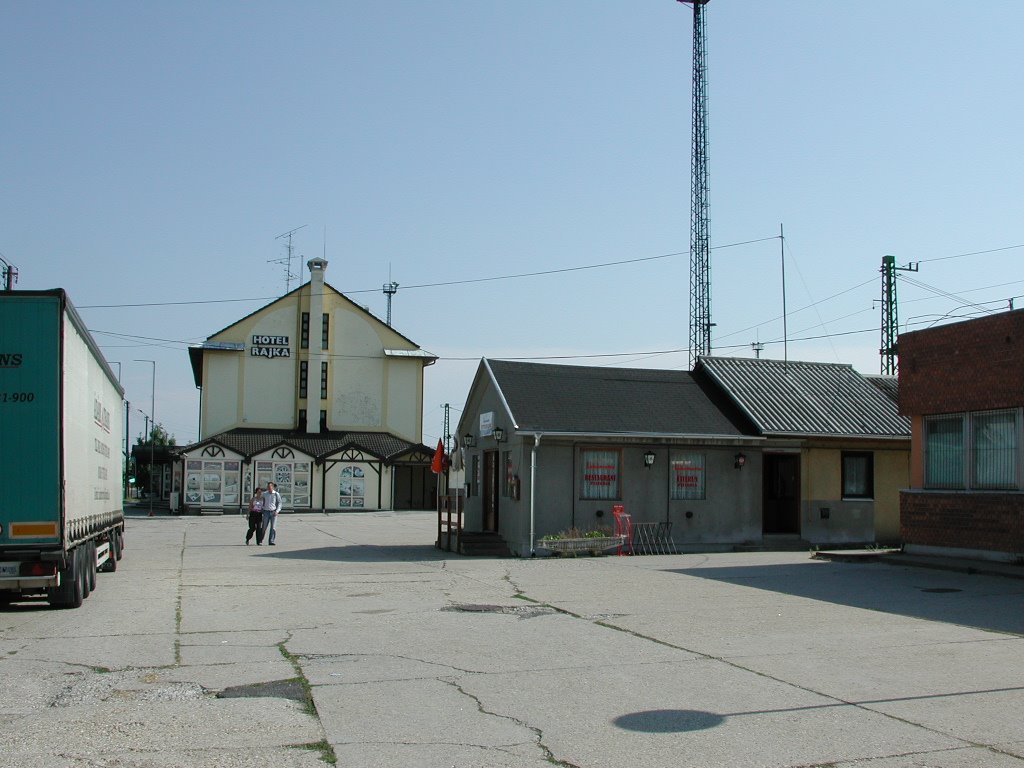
[[152, 421]]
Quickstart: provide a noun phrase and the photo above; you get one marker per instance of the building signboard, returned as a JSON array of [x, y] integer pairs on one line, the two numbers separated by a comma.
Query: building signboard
[[270, 346]]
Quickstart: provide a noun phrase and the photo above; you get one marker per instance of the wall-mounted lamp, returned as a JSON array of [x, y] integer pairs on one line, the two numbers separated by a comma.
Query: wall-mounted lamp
[[649, 459], [468, 440], [499, 434], [740, 460]]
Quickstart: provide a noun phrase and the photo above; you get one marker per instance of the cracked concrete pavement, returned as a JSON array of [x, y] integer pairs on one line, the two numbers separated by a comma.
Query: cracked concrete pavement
[[355, 641]]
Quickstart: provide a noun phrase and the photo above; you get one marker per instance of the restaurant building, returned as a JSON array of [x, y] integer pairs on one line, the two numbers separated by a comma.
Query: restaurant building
[[312, 392]]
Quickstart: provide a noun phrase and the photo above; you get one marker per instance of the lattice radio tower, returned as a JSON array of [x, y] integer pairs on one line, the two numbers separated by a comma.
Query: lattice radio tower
[[700, 243]]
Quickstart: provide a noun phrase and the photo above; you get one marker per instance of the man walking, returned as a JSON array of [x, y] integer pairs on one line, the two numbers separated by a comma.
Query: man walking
[[271, 507]]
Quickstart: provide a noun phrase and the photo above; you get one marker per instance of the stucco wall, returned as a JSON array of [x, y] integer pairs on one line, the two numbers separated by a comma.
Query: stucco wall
[[220, 392], [729, 515], [731, 512], [828, 518], [404, 398]]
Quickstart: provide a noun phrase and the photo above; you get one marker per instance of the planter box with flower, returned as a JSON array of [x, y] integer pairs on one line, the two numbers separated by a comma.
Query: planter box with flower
[[573, 541]]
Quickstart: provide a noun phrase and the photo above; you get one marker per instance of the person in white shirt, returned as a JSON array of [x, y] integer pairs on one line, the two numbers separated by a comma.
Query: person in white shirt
[[271, 508]]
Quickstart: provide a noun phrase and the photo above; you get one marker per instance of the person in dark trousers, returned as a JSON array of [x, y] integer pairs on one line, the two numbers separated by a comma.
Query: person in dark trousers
[[255, 517], [271, 506]]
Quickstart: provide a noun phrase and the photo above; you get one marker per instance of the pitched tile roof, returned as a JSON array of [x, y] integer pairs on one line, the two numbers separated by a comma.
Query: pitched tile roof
[[250, 442], [799, 398], [599, 400]]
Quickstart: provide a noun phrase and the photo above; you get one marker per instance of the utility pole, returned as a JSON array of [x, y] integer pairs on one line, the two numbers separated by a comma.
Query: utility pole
[[700, 243], [149, 432], [890, 317]]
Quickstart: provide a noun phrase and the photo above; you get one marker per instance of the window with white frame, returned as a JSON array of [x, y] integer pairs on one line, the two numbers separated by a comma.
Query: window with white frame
[[352, 488], [600, 474], [212, 482], [686, 476], [292, 479]]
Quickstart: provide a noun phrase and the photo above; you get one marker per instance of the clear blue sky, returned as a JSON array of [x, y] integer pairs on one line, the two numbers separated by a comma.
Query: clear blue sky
[[152, 152]]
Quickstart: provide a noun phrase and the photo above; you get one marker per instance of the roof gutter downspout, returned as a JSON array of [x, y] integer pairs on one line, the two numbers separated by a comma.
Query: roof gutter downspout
[[533, 489]]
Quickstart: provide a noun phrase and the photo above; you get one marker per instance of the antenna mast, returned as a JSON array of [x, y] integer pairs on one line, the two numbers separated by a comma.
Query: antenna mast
[[700, 248], [10, 274], [287, 260], [890, 318], [390, 289]]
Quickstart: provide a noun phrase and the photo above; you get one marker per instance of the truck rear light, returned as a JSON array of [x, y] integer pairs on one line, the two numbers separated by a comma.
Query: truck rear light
[[38, 569]]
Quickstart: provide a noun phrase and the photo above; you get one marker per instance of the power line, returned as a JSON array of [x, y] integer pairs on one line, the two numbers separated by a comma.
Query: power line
[[972, 253], [525, 274], [467, 281]]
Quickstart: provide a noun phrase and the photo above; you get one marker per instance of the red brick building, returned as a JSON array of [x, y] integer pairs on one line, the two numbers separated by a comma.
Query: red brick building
[[962, 386]]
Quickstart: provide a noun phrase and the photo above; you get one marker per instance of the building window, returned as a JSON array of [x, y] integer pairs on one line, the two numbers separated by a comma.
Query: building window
[[324, 331], [303, 377], [352, 488], [323, 381], [600, 480], [858, 475], [291, 478], [944, 452], [994, 450], [212, 483], [304, 335], [686, 475], [302, 419], [323, 421]]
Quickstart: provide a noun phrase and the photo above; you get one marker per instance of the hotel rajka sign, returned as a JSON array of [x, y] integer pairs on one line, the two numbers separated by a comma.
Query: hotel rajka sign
[[270, 346]]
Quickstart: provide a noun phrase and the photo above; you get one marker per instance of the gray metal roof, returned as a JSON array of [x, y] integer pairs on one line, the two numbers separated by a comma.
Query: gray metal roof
[[889, 385], [586, 400], [800, 398]]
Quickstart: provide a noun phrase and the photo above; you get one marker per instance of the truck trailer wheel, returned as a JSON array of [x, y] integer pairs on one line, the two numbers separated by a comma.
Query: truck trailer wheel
[[117, 542], [92, 564], [83, 569], [69, 593]]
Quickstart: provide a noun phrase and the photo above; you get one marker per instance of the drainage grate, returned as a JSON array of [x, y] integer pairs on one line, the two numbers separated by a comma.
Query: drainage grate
[[940, 590]]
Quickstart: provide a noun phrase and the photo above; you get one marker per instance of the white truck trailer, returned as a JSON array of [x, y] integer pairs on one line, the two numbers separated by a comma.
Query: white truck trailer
[[61, 435]]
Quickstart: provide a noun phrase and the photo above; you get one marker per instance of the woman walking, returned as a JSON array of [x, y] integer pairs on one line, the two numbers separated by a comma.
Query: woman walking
[[255, 517]]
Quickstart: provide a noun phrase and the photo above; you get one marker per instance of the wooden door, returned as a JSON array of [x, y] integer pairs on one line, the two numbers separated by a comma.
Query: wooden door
[[781, 500]]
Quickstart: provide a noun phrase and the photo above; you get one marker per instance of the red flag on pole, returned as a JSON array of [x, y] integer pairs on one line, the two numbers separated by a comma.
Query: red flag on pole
[[437, 465]]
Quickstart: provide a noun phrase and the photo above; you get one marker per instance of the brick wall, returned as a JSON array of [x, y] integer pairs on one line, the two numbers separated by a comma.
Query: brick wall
[[986, 521], [970, 366]]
